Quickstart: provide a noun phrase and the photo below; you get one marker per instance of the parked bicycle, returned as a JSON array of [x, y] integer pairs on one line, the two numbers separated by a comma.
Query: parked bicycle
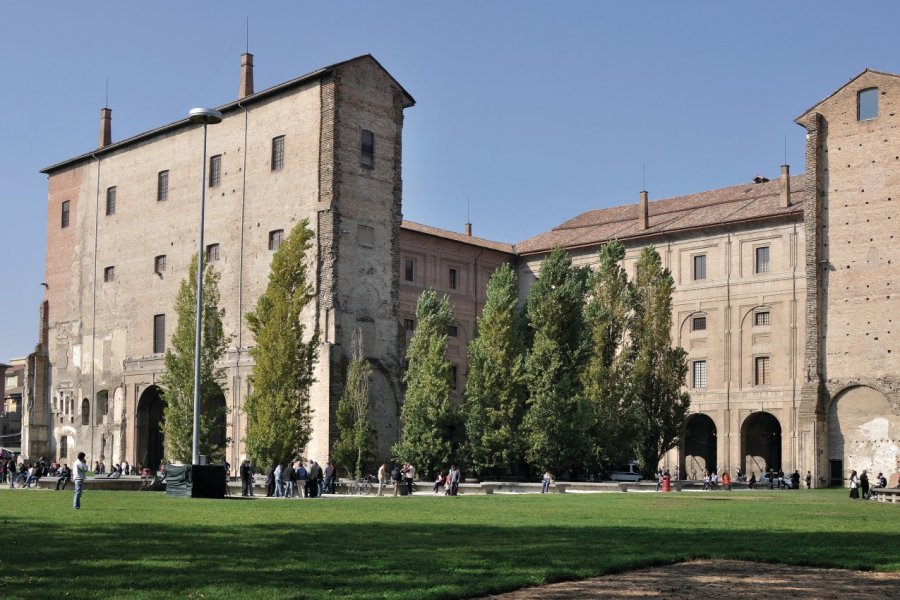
[[364, 486]]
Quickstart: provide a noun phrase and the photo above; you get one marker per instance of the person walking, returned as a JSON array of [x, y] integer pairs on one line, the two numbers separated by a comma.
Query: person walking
[[80, 473], [410, 478], [808, 480], [854, 485], [279, 481], [396, 477], [382, 478], [454, 480]]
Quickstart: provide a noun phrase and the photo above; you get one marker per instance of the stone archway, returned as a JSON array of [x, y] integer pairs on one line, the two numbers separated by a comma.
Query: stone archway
[[761, 443], [862, 433], [150, 444], [700, 446]]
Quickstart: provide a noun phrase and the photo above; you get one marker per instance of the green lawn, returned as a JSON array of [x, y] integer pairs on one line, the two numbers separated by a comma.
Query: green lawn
[[146, 545]]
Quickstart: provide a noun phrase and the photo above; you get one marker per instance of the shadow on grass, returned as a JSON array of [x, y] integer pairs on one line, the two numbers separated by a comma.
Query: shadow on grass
[[293, 560]]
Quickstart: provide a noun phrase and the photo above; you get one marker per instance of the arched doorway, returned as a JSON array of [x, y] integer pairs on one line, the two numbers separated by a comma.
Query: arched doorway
[[761, 443], [149, 419], [861, 433], [699, 446], [215, 413]]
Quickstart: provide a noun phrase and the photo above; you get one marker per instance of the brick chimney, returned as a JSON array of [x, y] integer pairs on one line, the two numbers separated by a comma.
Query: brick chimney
[[469, 229], [643, 212], [785, 199], [246, 76], [105, 127]]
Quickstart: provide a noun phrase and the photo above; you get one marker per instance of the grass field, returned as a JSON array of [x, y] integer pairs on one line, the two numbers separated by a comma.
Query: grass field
[[146, 545]]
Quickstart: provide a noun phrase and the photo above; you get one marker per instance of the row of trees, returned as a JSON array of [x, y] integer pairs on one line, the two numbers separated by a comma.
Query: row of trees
[[583, 377]]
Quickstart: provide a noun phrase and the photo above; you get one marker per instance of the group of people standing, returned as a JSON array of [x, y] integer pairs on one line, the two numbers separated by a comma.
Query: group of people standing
[[861, 482], [448, 482], [291, 480]]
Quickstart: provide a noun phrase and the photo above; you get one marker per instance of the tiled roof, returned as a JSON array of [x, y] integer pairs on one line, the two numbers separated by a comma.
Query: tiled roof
[[739, 203], [457, 237]]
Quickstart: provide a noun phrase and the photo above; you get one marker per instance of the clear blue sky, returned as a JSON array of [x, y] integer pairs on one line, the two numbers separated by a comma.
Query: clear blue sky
[[531, 111]]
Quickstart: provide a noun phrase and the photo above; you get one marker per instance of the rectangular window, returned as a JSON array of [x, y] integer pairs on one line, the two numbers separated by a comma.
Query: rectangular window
[[275, 238], [109, 274], [453, 376], [761, 318], [761, 372], [698, 379], [453, 331], [159, 264], [159, 334], [700, 267], [762, 260], [452, 279], [409, 324], [867, 104], [110, 201], [64, 215], [699, 324], [409, 270], [215, 170], [278, 153], [162, 186], [212, 253], [367, 149], [64, 446]]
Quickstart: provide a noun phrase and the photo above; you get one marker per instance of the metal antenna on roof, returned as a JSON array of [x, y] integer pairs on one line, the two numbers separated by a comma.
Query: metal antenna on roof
[[106, 99], [248, 34], [468, 220], [785, 149], [643, 176]]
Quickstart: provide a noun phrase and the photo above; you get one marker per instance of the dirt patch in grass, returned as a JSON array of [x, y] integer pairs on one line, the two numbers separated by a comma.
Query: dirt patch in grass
[[727, 579]]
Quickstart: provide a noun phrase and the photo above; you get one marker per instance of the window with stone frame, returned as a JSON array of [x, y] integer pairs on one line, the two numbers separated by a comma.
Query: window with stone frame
[[867, 104], [64, 215], [162, 186], [159, 264], [159, 334], [367, 149], [85, 412], [761, 318], [761, 263], [109, 274], [451, 279], [212, 253], [761, 371], [409, 324], [275, 238], [278, 153], [698, 323], [453, 375], [409, 269], [699, 267], [453, 331], [215, 170], [698, 374], [110, 201]]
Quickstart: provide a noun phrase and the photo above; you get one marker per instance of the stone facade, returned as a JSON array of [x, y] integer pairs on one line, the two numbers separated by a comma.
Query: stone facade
[[783, 296], [113, 268]]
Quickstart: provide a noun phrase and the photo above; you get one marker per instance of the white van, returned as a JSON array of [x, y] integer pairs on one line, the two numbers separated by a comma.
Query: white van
[[626, 472]]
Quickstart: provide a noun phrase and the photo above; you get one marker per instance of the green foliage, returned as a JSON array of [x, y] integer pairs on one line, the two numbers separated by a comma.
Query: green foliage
[[659, 369], [177, 380], [355, 446], [608, 322], [556, 416], [278, 409], [495, 388], [430, 424]]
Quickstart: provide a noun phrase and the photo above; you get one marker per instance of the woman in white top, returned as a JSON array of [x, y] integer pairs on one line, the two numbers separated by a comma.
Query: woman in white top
[[854, 485]]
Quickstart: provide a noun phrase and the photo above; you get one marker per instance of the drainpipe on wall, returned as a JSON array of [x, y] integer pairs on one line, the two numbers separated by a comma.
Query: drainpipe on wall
[[236, 392], [92, 414]]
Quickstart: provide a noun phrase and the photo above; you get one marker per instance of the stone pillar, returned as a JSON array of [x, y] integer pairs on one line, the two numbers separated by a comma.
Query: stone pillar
[[105, 127], [643, 211], [784, 199]]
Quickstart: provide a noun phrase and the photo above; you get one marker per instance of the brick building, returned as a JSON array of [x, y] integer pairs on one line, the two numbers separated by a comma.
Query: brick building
[[783, 287]]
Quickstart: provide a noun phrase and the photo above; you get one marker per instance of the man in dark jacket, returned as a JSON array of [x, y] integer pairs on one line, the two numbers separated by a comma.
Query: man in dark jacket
[[245, 477], [270, 481]]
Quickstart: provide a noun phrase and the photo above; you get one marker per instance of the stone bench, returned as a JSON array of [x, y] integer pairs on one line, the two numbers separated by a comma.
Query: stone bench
[[891, 495]]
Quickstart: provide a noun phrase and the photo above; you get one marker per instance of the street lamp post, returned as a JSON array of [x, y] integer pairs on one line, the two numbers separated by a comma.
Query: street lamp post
[[207, 116]]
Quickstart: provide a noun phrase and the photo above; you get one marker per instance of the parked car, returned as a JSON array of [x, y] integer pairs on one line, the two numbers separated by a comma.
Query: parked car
[[626, 472]]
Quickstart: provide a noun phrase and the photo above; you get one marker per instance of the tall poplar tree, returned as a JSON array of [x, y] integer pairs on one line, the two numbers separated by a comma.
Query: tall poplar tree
[[608, 320], [430, 425], [278, 408], [355, 446], [555, 419], [495, 388], [659, 369], [177, 380]]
